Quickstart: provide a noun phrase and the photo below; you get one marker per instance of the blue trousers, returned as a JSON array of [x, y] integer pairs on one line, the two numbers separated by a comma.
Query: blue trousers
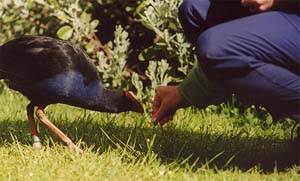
[[255, 56]]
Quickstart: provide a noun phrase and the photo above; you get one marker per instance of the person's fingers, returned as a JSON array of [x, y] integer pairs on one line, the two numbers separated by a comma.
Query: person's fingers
[[155, 107], [264, 7], [156, 103], [160, 113], [160, 107], [166, 119], [166, 101], [260, 8], [257, 5]]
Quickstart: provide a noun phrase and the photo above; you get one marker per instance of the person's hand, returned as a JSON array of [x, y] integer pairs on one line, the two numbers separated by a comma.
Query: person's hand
[[166, 101], [258, 5]]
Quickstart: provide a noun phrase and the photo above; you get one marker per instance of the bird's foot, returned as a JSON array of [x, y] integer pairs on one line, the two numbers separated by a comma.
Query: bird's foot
[[74, 148], [36, 143], [37, 146]]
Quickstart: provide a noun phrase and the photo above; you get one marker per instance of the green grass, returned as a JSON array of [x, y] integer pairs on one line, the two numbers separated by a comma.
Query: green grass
[[212, 144]]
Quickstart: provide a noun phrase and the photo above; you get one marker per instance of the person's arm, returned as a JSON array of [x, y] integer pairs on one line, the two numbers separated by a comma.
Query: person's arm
[[195, 90]]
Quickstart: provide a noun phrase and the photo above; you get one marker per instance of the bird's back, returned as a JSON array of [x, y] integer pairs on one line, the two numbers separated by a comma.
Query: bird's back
[[29, 61], [33, 58]]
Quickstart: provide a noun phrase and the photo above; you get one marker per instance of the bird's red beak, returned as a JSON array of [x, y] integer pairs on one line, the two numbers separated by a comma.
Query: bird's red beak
[[136, 106]]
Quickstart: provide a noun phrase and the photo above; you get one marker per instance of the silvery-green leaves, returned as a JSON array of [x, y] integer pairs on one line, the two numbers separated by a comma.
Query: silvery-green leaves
[[111, 66], [161, 17], [65, 32], [18, 18], [79, 27], [158, 73]]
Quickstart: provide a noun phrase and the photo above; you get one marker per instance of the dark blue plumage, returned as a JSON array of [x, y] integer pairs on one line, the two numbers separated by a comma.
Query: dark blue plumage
[[47, 71]]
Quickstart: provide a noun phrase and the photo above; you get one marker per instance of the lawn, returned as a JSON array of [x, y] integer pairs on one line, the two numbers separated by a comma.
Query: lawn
[[211, 144]]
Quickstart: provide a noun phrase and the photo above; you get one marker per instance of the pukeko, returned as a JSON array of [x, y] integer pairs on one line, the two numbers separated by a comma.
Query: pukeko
[[49, 71]]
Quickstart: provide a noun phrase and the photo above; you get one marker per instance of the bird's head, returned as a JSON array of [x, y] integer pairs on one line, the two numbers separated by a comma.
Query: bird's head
[[129, 103], [112, 101]]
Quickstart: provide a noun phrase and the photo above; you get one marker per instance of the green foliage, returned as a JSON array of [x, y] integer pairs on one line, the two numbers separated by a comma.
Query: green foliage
[[161, 17], [78, 24], [111, 66], [65, 32], [69, 19], [19, 17]]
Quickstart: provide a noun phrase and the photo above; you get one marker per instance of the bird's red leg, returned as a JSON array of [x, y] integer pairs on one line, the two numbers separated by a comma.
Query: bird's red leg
[[36, 143], [42, 117]]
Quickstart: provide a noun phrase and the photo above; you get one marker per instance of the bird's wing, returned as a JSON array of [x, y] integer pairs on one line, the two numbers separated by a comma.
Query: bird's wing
[[34, 58]]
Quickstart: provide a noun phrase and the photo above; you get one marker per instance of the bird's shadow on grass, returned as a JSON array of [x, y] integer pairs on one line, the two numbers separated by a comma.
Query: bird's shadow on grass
[[222, 151]]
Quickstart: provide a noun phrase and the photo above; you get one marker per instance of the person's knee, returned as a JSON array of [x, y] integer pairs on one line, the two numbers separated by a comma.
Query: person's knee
[[217, 58], [193, 10], [192, 16], [210, 46], [185, 9]]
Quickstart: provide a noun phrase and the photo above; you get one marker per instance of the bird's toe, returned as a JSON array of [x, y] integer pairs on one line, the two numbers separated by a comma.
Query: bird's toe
[[37, 145], [75, 148]]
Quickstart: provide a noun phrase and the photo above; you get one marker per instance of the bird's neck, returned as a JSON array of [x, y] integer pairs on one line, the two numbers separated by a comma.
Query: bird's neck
[[111, 100], [100, 99], [70, 85], [114, 101]]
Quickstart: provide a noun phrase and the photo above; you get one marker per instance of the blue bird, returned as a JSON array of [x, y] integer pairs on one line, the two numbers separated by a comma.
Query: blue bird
[[49, 71]]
